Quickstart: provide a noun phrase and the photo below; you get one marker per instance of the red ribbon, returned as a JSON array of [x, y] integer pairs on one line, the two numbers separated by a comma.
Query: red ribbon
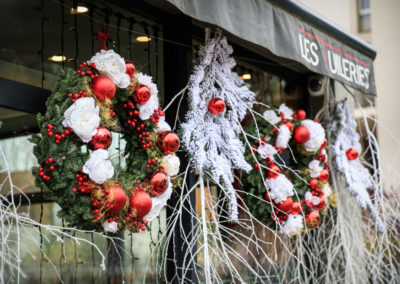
[[102, 36]]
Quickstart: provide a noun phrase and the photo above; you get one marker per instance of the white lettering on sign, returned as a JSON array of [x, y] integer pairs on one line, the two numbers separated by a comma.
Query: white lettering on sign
[[348, 70], [336, 61], [309, 50]]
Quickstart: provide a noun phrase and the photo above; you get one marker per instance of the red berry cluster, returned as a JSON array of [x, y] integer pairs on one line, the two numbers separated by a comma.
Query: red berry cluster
[[89, 70], [102, 204], [279, 216], [135, 222], [58, 136], [81, 183], [74, 97], [150, 163], [112, 112], [42, 174], [155, 117]]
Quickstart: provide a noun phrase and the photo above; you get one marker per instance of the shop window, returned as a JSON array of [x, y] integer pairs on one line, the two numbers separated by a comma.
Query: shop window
[[364, 16]]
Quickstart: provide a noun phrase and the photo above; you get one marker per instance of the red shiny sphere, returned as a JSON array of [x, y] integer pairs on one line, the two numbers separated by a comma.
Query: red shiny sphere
[[352, 154], [216, 105], [101, 140], [117, 198], [296, 208], [266, 196], [324, 175], [273, 171], [312, 219], [159, 183], [142, 94], [140, 203], [313, 183], [130, 68], [168, 142], [301, 134], [286, 205], [301, 114], [321, 203], [103, 87]]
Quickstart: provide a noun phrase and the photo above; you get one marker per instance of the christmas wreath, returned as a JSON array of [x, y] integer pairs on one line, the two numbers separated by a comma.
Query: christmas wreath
[[288, 185], [105, 94]]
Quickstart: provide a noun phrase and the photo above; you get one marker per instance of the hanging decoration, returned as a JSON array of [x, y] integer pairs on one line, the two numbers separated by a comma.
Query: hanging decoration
[[288, 201], [347, 148], [219, 100], [105, 94]]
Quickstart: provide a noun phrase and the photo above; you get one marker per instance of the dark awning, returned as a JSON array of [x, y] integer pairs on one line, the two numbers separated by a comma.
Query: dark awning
[[289, 30]]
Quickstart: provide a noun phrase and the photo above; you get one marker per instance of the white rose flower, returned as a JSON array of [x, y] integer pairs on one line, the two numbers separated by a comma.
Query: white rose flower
[[162, 125], [147, 109], [83, 117], [171, 164], [148, 81], [293, 225], [271, 117], [317, 135], [287, 112], [311, 198], [111, 65], [266, 151], [283, 137], [327, 190], [324, 153], [315, 168], [111, 227], [279, 188], [98, 167], [158, 204]]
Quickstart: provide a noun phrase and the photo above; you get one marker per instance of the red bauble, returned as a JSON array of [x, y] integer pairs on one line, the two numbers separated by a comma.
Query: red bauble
[[266, 196], [140, 203], [324, 175], [289, 125], [312, 219], [352, 154], [103, 87], [142, 94], [286, 205], [273, 171], [301, 134], [159, 183], [296, 208], [130, 68], [101, 140], [117, 198], [168, 142], [313, 183], [301, 114], [216, 105], [87, 189], [321, 203]]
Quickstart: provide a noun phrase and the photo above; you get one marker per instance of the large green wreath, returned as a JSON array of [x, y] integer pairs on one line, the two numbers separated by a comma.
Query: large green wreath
[[137, 191], [297, 159]]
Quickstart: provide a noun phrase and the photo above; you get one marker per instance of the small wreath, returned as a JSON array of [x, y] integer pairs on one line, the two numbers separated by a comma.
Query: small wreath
[[105, 95], [287, 199]]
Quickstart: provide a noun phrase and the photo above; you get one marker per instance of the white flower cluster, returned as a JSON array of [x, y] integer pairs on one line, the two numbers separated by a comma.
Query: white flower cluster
[[279, 188], [147, 109], [158, 204], [266, 151], [98, 167], [286, 111], [83, 117], [111, 227], [271, 117], [311, 198], [315, 168], [317, 135], [111, 65], [293, 225], [284, 136]]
